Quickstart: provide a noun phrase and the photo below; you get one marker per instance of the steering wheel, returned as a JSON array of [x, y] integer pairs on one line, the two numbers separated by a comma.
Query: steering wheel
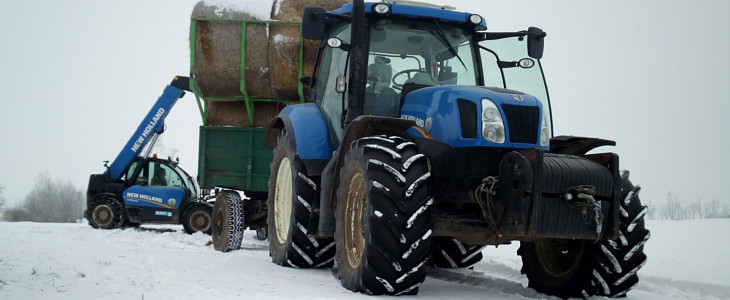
[[407, 72]]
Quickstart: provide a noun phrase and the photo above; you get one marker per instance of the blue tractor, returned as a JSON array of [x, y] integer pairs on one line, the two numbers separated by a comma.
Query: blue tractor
[[138, 188], [430, 137]]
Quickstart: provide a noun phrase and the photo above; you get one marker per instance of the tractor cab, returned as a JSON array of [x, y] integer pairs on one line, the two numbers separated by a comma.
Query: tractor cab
[[153, 171], [403, 54], [156, 189]]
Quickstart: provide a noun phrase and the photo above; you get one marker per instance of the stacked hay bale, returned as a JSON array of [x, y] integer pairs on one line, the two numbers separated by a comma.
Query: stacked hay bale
[[271, 68], [285, 42]]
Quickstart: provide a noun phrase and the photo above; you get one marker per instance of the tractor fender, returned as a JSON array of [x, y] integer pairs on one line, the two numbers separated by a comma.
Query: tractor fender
[[103, 194], [362, 126], [307, 131], [576, 145]]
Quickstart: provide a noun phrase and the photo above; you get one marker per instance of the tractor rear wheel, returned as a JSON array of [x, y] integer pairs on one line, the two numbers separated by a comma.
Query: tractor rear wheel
[[291, 197], [448, 252], [228, 222], [197, 217], [575, 268], [106, 213], [383, 217]]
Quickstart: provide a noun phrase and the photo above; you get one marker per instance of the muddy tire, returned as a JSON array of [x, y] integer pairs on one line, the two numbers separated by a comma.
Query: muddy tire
[[228, 222], [291, 197], [106, 213], [198, 217], [448, 252], [383, 217], [572, 268]]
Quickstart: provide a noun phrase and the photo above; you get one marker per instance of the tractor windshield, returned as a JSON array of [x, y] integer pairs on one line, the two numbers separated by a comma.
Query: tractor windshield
[[407, 53], [506, 64]]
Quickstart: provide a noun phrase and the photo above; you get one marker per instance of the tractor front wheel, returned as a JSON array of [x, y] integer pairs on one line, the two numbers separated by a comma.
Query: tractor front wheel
[[447, 252], [575, 268], [383, 217], [106, 213]]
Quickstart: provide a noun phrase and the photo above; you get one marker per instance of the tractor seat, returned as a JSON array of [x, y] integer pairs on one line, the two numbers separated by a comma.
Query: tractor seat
[[380, 98], [419, 81]]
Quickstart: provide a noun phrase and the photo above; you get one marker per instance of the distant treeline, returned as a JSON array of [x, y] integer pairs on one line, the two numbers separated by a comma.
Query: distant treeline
[[50, 200], [673, 209]]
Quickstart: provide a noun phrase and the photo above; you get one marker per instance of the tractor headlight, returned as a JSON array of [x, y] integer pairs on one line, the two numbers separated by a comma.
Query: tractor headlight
[[381, 8], [475, 19], [492, 124], [545, 132]]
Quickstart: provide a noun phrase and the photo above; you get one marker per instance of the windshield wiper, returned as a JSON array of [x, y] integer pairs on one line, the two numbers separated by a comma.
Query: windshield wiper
[[445, 41]]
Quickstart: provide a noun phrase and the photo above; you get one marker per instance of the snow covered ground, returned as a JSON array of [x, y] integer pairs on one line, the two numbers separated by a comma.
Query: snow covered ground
[[687, 260]]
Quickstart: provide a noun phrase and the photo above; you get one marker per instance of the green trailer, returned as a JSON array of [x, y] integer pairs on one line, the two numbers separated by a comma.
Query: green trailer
[[232, 157]]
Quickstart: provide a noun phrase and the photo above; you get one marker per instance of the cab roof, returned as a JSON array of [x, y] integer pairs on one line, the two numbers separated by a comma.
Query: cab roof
[[414, 11]]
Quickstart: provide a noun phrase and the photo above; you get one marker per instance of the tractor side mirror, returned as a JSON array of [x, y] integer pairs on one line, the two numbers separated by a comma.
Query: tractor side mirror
[[535, 42], [314, 22]]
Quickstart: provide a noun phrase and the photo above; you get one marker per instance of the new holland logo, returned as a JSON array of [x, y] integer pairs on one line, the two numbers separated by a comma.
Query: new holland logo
[[171, 202], [518, 97]]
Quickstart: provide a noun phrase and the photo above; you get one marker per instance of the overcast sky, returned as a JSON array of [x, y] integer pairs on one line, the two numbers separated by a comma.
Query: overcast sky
[[76, 78]]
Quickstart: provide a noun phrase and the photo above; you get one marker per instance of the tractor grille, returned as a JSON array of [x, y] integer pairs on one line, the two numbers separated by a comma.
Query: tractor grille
[[523, 123]]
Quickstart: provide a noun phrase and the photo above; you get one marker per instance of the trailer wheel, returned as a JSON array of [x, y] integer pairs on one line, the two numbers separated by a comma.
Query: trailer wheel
[[228, 222], [383, 217], [106, 213], [291, 197], [197, 217], [572, 268], [448, 252]]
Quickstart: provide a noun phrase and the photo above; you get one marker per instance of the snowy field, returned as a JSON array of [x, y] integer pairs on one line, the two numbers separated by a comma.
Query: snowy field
[[687, 260]]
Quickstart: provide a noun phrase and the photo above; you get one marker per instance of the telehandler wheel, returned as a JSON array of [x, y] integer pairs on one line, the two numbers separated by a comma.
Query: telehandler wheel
[[573, 268], [228, 222], [450, 253], [198, 217], [291, 196], [383, 217], [106, 213]]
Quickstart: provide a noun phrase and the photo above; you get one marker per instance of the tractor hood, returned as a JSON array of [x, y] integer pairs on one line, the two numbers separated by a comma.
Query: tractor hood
[[464, 116]]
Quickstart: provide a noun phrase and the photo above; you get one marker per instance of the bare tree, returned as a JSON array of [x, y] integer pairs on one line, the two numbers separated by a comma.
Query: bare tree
[[50, 201], [694, 211], [16, 214], [725, 211], [672, 209], [712, 209], [2, 199], [651, 210]]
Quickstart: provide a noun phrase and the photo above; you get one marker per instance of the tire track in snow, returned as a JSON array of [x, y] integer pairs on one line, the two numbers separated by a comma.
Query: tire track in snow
[[681, 289]]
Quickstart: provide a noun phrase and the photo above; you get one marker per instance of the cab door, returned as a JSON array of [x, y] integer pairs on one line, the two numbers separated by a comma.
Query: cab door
[[156, 194]]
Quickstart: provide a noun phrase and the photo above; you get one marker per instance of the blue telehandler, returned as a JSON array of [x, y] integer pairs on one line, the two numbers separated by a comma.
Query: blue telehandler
[[138, 188], [428, 138]]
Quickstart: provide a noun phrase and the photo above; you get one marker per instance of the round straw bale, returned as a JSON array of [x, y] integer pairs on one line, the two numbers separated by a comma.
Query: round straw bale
[[233, 113], [217, 61], [284, 45]]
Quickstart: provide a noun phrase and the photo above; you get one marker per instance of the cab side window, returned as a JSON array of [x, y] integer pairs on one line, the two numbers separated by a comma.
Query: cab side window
[[163, 175]]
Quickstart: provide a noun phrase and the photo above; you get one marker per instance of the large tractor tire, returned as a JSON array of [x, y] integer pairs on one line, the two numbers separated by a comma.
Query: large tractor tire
[[291, 197], [448, 252], [198, 217], [228, 222], [383, 217], [574, 268], [106, 213]]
